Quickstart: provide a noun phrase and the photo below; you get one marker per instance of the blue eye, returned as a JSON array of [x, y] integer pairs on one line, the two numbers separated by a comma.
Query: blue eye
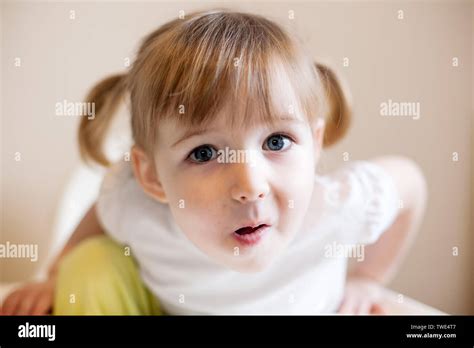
[[203, 153], [277, 142]]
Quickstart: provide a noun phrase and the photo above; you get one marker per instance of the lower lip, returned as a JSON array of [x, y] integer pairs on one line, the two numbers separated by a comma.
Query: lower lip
[[251, 238]]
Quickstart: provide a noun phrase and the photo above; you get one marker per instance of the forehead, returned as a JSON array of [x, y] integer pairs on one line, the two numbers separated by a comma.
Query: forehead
[[284, 96]]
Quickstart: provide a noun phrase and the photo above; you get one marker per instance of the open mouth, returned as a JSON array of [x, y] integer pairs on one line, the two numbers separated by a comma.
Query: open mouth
[[250, 235], [248, 229]]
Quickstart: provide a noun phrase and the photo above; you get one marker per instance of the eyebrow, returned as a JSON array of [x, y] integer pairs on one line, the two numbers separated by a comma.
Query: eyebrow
[[196, 132], [192, 133]]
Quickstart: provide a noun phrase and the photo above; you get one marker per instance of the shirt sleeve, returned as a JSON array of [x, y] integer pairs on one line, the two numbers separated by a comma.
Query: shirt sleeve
[[114, 195], [369, 201]]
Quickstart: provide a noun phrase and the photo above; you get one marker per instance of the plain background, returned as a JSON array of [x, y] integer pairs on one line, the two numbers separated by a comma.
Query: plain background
[[407, 60]]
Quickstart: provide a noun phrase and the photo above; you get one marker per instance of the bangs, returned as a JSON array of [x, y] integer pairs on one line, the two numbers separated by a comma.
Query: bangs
[[239, 69], [233, 61]]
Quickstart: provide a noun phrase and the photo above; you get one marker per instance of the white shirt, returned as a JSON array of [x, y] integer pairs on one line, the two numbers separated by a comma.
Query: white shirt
[[352, 205]]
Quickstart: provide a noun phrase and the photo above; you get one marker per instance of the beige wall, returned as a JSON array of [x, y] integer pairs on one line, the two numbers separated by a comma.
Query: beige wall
[[403, 60]]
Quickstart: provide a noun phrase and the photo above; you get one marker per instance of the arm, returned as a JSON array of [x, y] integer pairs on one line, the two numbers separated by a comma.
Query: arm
[[37, 298], [383, 258]]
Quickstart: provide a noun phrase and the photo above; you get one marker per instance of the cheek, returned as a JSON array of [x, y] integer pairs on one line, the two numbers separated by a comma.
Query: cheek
[[200, 224], [296, 171], [193, 187], [194, 200], [294, 187]]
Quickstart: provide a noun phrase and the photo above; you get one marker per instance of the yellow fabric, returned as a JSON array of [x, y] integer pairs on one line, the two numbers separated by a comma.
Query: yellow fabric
[[101, 277]]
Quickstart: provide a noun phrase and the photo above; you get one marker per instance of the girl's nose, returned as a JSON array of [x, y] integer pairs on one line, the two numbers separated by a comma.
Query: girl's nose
[[250, 184]]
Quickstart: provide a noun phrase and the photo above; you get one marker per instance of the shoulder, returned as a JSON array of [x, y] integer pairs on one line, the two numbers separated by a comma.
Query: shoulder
[[361, 178], [407, 175], [118, 173], [365, 197], [123, 209]]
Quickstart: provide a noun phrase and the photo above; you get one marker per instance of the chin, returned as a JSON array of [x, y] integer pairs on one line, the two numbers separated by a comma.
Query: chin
[[252, 265]]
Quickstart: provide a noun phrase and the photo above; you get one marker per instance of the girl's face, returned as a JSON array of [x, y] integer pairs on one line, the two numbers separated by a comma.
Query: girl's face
[[222, 183]]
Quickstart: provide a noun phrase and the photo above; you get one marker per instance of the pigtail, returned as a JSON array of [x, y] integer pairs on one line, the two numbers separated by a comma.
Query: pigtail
[[106, 95], [339, 111]]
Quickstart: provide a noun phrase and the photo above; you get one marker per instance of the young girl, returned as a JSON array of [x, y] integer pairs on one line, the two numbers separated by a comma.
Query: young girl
[[221, 209]]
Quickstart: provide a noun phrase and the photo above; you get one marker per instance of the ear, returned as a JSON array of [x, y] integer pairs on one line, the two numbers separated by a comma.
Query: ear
[[146, 175], [318, 136]]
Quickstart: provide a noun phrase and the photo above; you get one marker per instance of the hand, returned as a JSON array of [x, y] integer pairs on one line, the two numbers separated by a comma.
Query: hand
[[31, 299], [362, 296]]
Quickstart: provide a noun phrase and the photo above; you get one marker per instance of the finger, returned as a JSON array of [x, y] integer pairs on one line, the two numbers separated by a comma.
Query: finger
[[377, 309], [26, 304], [10, 303], [43, 304], [347, 307], [363, 308]]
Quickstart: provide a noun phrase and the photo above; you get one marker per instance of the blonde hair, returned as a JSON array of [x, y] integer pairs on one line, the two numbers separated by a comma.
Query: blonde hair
[[201, 63]]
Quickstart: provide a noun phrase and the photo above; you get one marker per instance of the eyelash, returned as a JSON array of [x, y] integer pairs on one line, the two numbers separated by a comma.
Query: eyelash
[[188, 157]]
